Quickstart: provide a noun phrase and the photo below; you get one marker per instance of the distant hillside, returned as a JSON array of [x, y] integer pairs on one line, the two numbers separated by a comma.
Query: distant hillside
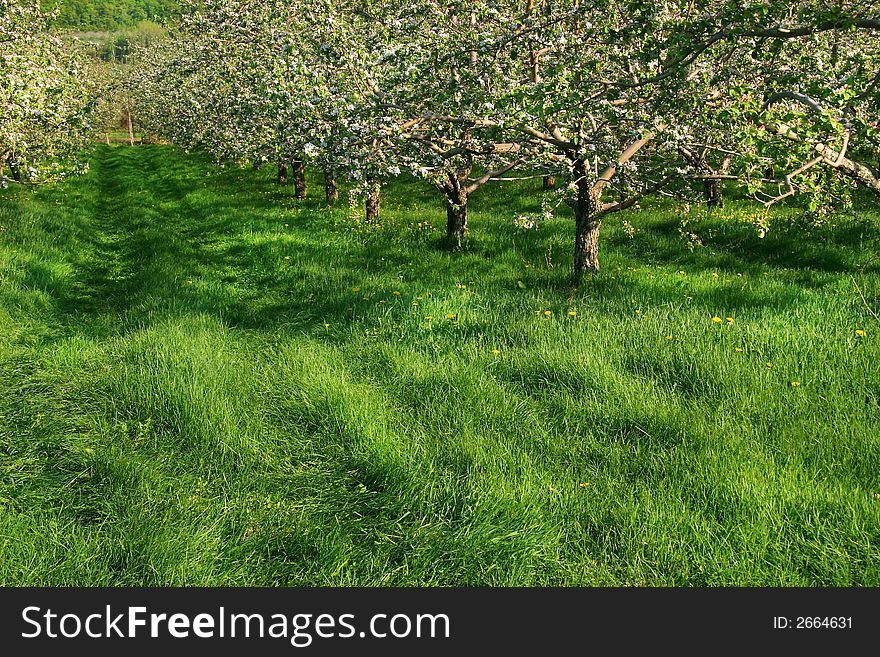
[[111, 14]]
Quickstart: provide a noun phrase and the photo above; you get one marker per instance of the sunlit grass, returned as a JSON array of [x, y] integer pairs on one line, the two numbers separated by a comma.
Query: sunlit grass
[[205, 381]]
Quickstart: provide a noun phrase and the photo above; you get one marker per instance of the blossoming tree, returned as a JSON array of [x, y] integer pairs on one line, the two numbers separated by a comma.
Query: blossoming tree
[[48, 95], [620, 98]]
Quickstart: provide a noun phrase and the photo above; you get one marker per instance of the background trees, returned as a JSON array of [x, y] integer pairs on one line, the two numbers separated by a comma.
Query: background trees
[[110, 14]]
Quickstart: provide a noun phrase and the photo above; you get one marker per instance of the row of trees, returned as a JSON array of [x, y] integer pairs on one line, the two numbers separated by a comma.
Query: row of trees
[[100, 15], [617, 99], [52, 95]]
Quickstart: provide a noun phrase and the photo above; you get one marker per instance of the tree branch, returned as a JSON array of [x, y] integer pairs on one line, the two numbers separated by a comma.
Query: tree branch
[[832, 157], [607, 208], [625, 157], [482, 180], [806, 30]]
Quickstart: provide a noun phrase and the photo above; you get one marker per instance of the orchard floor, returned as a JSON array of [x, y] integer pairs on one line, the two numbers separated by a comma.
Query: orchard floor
[[204, 381]]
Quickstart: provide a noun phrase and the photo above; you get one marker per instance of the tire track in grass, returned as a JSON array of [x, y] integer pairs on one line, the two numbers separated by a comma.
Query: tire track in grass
[[80, 473], [138, 257]]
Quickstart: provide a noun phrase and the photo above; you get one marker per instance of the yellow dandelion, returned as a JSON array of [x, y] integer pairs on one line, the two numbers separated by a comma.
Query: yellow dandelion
[[717, 319], [683, 272], [877, 496], [714, 274], [547, 313], [396, 293], [287, 257], [769, 366], [729, 320], [738, 350], [285, 225], [495, 352], [429, 318], [795, 384], [355, 289], [584, 484], [638, 312], [572, 313], [860, 333], [670, 337], [451, 316], [460, 286], [326, 326]]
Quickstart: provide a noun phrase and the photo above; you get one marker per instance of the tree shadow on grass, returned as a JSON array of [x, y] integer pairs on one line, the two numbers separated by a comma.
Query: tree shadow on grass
[[175, 235], [736, 247]]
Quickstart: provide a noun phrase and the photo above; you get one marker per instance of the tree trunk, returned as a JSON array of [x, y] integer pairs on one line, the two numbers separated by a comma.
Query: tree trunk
[[374, 196], [14, 168], [299, 178], [282, 173], [622, 186], [456, 217], [587, 225], [586, 246], [330, 189], [713, 193], [549, 182], [130, 129]]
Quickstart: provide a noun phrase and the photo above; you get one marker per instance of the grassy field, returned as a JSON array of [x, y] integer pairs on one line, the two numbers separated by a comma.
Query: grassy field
[[204, 381]]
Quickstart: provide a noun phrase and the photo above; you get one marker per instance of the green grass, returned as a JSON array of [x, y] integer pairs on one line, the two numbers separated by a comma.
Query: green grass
[[192, 393]]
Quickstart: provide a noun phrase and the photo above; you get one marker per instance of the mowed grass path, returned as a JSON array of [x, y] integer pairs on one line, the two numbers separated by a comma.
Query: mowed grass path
[[206, 382]]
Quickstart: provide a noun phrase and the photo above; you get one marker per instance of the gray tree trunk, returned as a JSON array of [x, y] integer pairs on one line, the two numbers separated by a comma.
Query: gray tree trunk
[[587, 226], [331, 190], [456, 217], [374, 198], [713, 193], [130, 128], [299, 178]]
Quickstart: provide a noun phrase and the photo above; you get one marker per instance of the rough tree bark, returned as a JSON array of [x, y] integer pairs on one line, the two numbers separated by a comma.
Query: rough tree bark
[[374, 197], [587, 224], [299, 178], [331, 190], [589, 209], [282, 173], [456, 217], [455, 189]]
